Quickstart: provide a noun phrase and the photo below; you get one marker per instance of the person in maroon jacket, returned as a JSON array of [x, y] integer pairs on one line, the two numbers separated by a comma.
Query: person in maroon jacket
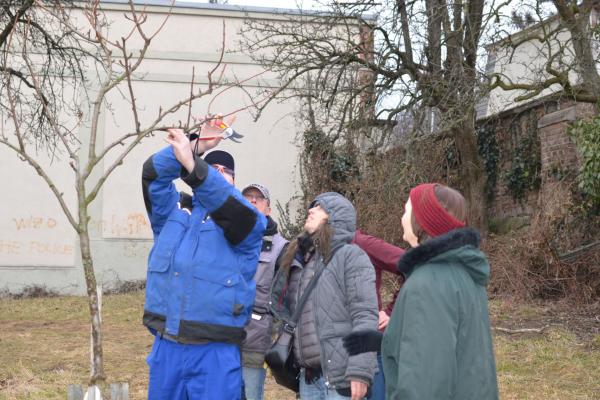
[[384, 257]]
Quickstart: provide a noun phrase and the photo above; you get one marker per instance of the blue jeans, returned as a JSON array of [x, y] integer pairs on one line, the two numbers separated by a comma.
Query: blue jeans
[[194, 371], [317, 390], [254, 382], [378, 386]]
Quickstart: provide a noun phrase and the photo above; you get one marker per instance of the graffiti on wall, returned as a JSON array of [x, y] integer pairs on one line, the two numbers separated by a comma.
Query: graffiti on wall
[[35, 247], [42, 238], [129, 225], [34, 222], [132, 225], [35, 236]]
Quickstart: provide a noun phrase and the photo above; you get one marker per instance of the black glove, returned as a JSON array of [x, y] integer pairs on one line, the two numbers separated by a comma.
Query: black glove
[[362, 342]]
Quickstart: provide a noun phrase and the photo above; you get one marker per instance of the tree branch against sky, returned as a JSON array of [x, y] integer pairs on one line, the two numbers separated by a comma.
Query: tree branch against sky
[[420, 54], [557, 53]]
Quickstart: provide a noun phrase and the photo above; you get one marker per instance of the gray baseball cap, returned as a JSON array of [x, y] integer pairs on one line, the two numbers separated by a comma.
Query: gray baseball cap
[[262, 189]]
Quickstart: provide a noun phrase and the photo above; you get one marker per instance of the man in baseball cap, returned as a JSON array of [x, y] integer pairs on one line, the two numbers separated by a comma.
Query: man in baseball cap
[[258, 196], [223, 162], [199, 284], [258, 330]]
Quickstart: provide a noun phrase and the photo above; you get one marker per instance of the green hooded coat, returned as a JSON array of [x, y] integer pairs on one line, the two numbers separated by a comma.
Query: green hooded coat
[[438, 343]]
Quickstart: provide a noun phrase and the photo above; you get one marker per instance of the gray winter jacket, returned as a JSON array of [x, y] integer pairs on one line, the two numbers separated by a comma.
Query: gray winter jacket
[[344, 300], [259, 327]]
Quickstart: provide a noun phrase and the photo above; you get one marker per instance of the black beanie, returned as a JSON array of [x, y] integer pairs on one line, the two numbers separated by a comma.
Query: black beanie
[[220, 157]]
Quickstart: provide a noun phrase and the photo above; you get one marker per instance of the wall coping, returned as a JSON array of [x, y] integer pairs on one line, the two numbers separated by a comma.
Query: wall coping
[[566, 114]]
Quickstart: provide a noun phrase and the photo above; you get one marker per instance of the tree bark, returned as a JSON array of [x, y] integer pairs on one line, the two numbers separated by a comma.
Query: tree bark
[[97, 376], [577, 20], [471, 172], [586, 67]]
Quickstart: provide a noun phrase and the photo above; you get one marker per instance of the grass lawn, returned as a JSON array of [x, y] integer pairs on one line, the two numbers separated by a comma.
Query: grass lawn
[[44, 347]]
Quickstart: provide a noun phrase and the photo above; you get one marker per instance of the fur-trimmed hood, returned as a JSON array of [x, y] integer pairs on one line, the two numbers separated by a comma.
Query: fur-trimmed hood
[[459, 246]]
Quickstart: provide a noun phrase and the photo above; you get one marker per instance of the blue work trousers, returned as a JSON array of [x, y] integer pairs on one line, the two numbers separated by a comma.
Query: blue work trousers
[[209, 371]]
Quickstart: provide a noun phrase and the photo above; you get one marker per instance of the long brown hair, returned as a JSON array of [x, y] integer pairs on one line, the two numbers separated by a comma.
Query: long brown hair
[[321, 240], [451, 200]]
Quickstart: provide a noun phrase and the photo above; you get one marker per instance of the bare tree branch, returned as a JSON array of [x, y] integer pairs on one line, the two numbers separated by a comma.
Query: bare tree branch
[[22, 152], [55, 75], [566, 40], [424, 53]]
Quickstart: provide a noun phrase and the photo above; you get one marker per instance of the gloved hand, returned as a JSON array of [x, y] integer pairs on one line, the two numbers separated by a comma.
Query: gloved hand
[[362, 342]]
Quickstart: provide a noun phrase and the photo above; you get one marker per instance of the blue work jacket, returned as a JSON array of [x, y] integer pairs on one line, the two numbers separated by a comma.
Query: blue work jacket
[[200, 284]]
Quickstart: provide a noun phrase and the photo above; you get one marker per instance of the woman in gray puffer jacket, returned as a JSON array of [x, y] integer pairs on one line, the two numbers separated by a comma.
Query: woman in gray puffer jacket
[[344, 300]]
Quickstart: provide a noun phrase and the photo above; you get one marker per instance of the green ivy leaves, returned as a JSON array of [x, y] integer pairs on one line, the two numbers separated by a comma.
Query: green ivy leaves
[[487, 145], [586, 135], [524, 173]]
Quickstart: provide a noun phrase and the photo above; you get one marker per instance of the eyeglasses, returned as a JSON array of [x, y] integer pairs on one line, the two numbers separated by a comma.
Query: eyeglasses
[[255, 197]]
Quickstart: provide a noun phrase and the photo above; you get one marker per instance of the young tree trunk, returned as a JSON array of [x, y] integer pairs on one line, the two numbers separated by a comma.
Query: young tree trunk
[[97, 375]]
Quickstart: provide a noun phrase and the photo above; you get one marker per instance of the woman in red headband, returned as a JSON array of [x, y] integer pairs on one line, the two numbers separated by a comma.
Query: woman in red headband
[[438, 343]]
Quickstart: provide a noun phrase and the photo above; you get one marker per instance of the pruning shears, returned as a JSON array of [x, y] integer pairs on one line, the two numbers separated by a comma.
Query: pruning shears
[[227, 132]]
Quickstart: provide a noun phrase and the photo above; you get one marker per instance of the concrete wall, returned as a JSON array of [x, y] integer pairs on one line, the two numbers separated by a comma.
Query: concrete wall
[[37, 244]]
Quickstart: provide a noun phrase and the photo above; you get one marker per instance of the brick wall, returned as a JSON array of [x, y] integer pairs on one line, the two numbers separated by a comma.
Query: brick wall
[[557, 151], [510, 130]]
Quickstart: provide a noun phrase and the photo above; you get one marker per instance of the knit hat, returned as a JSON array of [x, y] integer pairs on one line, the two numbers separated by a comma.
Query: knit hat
[[220, 157], [262, 189], [429, 213]]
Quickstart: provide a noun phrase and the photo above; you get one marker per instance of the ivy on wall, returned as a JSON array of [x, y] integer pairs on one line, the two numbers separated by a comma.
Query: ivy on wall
[[487, 145], [586, 135], [524, 172], [331, 166]]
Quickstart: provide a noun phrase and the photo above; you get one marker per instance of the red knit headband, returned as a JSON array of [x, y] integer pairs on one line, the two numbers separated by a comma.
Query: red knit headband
[[429, 213]]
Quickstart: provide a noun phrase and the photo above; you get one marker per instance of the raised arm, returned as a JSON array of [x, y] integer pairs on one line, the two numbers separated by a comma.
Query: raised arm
[[160, 196], [242, 224], [384, 257], [382, 254]]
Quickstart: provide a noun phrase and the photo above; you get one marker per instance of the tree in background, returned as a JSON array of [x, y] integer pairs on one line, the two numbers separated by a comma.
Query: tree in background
[[57, 72], [417, 55], [559, 53]]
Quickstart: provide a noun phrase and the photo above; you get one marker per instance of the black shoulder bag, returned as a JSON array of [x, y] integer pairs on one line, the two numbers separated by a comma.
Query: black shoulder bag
[[280, 357]]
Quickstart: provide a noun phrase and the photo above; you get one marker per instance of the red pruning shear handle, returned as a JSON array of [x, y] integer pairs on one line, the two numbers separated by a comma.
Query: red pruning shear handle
[[228, 133]]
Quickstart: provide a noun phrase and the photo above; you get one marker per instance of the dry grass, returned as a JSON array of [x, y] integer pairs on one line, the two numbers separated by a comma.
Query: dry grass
[[553, 366], [562, 363], [44, 347]]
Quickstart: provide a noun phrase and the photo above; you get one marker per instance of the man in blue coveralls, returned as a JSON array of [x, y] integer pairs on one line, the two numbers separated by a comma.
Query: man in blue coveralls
[[199, 289]]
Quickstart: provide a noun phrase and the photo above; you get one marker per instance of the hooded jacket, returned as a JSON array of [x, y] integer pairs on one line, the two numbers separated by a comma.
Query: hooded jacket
[[344, 300], [438, 343]]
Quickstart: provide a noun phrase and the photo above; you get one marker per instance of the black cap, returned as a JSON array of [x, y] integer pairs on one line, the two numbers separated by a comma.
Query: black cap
[[220, 157]]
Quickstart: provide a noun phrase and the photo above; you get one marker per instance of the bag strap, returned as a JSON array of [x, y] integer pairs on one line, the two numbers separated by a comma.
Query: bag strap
[[290, 326], [279, 257]]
